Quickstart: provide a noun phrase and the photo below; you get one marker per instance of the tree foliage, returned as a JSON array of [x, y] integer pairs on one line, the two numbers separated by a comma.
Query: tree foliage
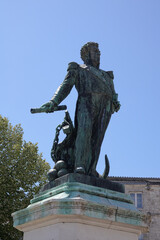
[[22, 174]]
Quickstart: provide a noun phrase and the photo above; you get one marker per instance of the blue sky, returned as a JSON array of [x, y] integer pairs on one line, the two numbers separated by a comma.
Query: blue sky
[[39, 39]]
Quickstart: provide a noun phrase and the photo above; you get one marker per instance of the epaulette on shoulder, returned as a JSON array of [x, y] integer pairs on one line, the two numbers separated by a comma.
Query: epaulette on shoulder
[[72, 65], [110, 73]]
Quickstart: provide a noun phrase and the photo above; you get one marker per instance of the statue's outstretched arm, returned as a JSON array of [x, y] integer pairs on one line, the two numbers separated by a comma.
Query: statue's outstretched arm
[[65, 88]]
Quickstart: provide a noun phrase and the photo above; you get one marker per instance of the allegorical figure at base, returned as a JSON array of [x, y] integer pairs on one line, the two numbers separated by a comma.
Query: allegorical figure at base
[[97, 101]]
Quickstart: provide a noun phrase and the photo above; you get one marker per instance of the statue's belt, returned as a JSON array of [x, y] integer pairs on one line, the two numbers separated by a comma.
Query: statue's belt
[[96, 93]]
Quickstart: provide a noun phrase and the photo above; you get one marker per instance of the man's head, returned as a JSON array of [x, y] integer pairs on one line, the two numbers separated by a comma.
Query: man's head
[[90, 54]]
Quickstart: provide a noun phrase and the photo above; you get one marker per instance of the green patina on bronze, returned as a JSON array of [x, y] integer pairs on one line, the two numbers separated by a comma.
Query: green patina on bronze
[[71, 199], [97, 101]]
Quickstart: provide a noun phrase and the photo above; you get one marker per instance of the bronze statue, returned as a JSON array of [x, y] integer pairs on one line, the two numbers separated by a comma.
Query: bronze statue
[[97, 101]]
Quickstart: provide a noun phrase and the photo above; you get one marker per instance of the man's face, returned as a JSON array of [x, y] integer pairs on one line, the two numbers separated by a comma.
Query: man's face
[[95, 56]]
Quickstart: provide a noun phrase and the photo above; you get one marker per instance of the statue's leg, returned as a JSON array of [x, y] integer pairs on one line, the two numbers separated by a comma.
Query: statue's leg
[[83, 149], [99, 128]]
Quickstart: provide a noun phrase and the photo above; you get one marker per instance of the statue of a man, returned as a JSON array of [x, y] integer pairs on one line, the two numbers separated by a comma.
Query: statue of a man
[[96, 102]]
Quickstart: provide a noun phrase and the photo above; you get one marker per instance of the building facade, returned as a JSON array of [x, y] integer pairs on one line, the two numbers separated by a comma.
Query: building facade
[[145, 193]]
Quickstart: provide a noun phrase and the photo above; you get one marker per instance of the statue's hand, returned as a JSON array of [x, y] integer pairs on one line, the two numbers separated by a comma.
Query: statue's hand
[[48, 107], [115, 103], [117, 106]]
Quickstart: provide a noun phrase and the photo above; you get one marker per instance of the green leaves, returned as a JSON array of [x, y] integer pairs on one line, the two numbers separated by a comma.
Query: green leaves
[[22, 174]]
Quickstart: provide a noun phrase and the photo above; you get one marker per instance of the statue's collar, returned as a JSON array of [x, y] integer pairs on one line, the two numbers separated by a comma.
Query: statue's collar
[[94, 71], [89, 67]]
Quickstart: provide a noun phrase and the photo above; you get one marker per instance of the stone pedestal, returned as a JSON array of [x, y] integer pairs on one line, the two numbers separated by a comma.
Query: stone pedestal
[[77, 211]]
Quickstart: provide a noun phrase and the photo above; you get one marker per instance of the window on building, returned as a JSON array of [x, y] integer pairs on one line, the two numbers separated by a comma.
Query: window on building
[[137, 199]]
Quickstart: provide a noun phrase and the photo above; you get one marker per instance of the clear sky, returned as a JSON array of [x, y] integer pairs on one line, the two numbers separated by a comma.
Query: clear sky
[[38, 40]]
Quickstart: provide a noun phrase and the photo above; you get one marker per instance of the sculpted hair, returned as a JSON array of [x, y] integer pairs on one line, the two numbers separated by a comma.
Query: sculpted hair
[[85, 50]]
